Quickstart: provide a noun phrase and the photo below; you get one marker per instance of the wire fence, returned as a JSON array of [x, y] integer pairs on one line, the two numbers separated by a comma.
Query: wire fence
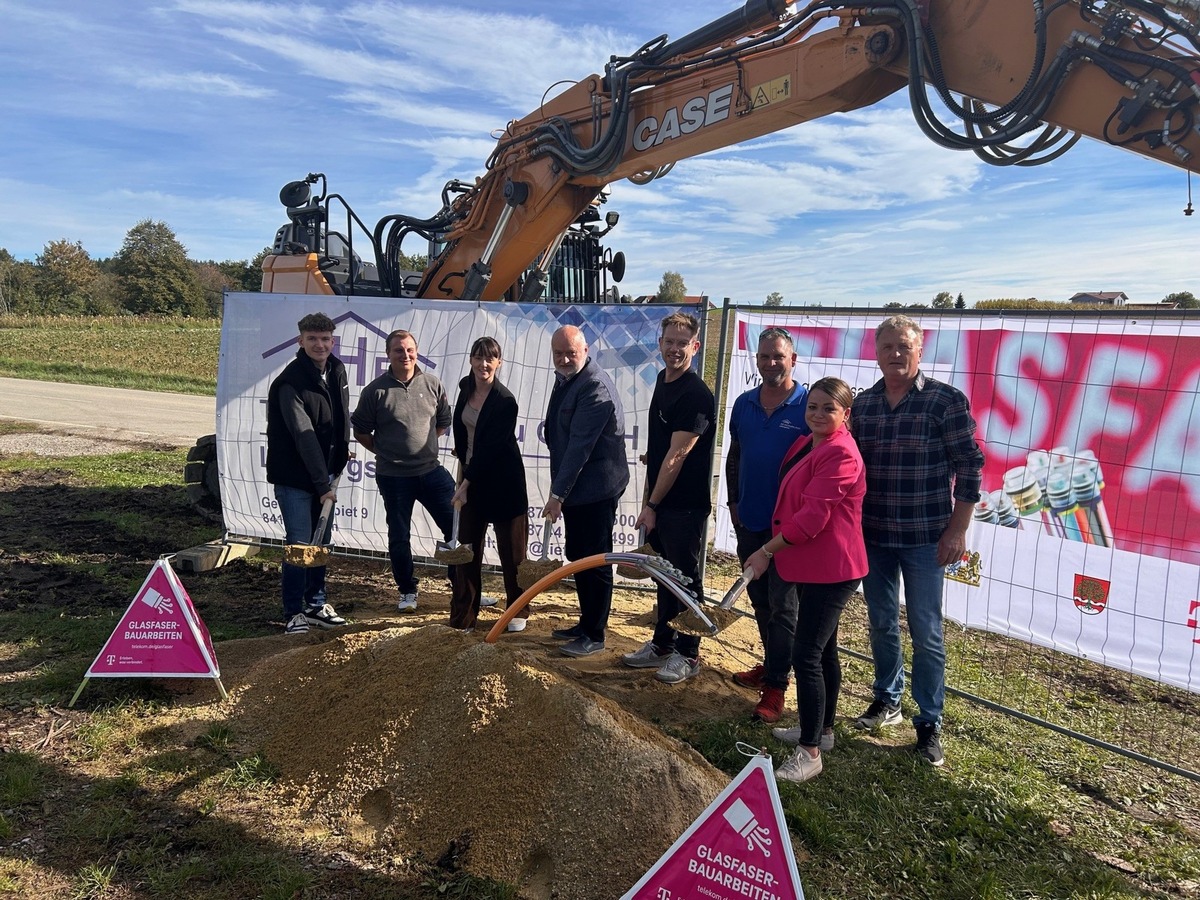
[[1077, 609]]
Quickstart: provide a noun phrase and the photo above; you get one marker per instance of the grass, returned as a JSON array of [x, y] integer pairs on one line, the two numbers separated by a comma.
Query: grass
[[176, 355], [121, 470], [93, 881], [20, 779], [1018, 812], [999, 823]]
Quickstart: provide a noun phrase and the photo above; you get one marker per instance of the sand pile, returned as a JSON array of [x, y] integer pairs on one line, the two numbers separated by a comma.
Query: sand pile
[[428, 740]]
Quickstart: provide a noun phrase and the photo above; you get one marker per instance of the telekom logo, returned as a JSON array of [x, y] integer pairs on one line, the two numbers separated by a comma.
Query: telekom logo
[[1192, 618]]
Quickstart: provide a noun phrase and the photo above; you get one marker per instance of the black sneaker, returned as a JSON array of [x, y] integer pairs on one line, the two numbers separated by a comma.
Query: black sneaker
[[582, 646], [323, 616], [929, 744], [878, 715], [568, 634]]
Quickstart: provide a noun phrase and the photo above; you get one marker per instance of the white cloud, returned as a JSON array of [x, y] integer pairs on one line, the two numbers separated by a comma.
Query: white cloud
[[199, 83], [194, 112]]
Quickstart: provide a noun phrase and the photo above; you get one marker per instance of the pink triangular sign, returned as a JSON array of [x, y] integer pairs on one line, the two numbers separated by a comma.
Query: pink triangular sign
[[159, 636], [738, 847]]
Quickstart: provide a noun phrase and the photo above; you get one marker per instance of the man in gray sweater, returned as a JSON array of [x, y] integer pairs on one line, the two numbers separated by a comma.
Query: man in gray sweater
[[399, 417]]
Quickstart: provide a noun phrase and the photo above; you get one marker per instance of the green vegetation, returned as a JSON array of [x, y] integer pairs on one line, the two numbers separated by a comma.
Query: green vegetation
[[146, 353], [150, 275]]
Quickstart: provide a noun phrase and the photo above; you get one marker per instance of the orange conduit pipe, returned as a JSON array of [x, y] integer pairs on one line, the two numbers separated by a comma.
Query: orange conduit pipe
[[514, 608]]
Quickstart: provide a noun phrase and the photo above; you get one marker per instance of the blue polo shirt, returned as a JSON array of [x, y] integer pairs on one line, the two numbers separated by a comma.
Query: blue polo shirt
[[764, 440]]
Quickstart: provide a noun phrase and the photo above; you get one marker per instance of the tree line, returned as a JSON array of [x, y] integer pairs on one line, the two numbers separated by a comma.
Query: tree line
[[150, 275]]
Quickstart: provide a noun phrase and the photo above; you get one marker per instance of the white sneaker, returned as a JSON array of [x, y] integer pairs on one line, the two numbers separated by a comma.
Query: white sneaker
[[645, 657], [800, 767], [516, 625], [488, 601], [792, 736], [297, 624], [407, 602], [677, 668]]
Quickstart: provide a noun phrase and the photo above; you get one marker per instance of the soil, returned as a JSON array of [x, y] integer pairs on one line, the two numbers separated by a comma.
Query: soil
[[397, 738]]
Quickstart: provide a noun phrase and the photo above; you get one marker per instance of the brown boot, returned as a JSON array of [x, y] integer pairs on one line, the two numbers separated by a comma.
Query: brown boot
[[770, 705]]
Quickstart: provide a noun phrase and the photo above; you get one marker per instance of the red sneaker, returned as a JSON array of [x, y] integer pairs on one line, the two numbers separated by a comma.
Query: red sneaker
[[770, 705], [753, 678]]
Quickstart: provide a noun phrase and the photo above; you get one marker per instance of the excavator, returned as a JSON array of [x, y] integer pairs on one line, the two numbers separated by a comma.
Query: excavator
[[1021, 81]]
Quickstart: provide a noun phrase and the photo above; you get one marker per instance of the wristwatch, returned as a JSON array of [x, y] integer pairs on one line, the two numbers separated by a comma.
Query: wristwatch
[[556, 498], [652, 506], [767, 553]]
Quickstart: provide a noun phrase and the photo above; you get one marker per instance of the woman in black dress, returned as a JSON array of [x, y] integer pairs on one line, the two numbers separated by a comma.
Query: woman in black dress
[[492, 490]]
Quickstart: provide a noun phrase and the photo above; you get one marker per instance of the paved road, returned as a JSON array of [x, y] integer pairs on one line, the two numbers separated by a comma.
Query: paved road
[[109, 412]]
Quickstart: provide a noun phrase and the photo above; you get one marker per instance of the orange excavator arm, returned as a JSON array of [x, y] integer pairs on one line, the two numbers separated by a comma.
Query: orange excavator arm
[[1021, 80], [1022, 77]]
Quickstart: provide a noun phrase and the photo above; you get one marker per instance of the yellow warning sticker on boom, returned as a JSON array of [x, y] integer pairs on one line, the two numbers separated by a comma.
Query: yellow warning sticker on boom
[[772, 91]]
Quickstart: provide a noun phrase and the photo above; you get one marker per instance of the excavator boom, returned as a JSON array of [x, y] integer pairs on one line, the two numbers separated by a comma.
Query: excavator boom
[[1015, 81]]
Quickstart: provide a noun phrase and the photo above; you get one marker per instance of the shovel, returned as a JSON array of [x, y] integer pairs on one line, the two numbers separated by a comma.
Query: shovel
[[532, 571], [314, 553], [633, 572], [451, 552], [712, 620]]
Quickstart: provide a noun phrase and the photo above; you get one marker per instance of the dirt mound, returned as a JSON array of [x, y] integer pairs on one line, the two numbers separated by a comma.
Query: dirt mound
[[432, 741]]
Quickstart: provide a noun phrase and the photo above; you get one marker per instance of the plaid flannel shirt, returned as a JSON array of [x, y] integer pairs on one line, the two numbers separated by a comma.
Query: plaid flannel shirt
[[920, 458]]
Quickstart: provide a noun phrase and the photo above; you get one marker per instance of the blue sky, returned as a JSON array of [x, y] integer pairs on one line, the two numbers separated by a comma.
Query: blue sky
[[196, 112]]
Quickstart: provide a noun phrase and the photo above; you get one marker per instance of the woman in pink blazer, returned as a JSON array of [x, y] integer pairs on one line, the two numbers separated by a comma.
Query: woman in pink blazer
[[817, 545]]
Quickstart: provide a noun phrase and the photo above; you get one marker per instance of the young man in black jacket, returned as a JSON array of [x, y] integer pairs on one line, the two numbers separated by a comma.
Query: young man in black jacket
[[308, 444]]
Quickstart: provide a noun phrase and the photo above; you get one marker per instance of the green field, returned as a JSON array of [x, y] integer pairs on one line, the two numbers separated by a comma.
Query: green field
[[178, 355]]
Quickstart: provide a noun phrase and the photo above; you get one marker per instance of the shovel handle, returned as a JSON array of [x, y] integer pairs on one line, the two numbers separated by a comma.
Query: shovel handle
[[545, 540], [736, 589], [318, 537]]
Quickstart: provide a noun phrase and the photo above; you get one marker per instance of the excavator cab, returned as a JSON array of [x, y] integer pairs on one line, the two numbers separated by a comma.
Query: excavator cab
[[307, 252], [311, 256]]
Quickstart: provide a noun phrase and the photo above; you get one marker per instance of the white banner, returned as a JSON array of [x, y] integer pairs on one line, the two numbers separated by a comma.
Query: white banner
[[1086, 539], [258, 339]]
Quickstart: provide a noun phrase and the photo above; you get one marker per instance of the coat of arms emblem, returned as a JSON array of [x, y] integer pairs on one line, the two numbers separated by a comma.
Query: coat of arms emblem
[[1091, 594]]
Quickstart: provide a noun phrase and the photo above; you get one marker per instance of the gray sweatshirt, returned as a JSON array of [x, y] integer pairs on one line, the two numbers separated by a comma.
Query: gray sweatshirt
[[405, 420]]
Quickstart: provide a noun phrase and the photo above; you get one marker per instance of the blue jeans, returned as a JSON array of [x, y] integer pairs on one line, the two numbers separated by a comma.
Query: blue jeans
[[434, 490], [302, 586], [923, 581]]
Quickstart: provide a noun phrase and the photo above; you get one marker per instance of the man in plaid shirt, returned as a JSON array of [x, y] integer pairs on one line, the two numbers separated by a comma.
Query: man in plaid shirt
[[917, 438]]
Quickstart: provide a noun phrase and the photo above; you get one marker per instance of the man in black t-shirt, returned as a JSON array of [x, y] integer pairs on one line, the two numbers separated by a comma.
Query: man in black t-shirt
[[678, 495]]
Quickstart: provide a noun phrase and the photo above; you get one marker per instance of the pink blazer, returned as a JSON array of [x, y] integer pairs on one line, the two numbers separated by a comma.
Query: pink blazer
[[819, 512]]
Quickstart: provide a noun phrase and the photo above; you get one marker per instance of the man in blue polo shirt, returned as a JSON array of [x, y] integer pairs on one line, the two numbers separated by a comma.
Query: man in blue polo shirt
[[766, 421]]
